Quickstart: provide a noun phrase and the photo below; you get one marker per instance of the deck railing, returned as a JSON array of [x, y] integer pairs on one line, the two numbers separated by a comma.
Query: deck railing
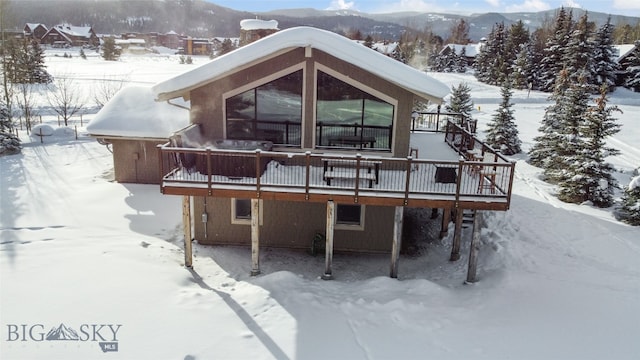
[[404, 178]]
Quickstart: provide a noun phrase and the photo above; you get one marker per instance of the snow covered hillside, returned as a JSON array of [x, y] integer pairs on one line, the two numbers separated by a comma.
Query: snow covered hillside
[[92, 269]]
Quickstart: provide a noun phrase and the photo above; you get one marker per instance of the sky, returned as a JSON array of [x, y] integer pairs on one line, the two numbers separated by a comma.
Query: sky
[[620, 7]]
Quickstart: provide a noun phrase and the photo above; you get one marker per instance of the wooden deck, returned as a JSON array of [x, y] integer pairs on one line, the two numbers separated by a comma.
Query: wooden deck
[[301, 177]]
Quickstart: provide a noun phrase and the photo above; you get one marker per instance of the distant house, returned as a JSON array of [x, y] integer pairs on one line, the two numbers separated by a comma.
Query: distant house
[[254, 29], [470, 50], [193, 46], [133, 125], [170, 40], [622, 53], [132, 45], [34, 31], [68, 35]]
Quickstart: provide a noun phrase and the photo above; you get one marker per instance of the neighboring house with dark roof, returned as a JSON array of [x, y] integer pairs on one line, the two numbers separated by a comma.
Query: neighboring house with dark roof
[[34, 31], [69, 35]]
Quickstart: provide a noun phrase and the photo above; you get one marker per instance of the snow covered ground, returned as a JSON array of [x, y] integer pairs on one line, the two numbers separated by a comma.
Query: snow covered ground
[[101, 262]]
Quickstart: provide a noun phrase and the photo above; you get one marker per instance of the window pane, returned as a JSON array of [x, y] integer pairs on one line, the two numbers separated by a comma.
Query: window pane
[[243, 209], [272, 112], [348, 117], [348, 214]]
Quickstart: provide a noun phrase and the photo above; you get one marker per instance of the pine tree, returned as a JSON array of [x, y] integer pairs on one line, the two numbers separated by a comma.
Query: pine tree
[[597, 174], [578, 53], [460, 101], [543, 153], [632, 69], [629, 210], [110, 51], [461, 61], [9, 142], [553, 59], [502, 132], [605, 66], [497, 64], [36, 68]]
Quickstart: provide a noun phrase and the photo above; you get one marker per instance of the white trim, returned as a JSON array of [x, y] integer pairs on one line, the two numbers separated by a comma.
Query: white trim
[[353, 227], [237, 221]]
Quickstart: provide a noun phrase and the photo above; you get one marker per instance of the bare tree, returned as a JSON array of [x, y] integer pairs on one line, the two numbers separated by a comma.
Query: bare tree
[[65, 98], [24, 99], [7, 86], [107, 88]]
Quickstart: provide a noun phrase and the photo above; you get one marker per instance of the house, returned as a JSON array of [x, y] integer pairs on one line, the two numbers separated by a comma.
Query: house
[[34, 31], [132, 124], [470, 50], [170, 40], [255, 29], [64, 35], [304, 137], [622, 55], [196, 46]]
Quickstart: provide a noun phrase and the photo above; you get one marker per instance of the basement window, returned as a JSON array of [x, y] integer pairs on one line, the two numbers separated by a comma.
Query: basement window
[[349, 217], [241, 211]]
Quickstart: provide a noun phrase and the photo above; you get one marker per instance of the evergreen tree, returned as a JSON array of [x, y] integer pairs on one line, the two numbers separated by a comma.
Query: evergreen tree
[[605, 66], [461, 61], [502, 132], [543, 153], [368, 41], [460, 101], [629, 210], [110, 50], [490, 65], [9, 142], [578, 54], [553, 54], [632, 69], [36, 67]]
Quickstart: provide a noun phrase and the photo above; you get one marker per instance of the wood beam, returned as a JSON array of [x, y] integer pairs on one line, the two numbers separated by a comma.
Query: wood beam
[[474, 248], [457, 234], [446, 218], [331, 220], [186, 223], [397, 241], [255, 237]]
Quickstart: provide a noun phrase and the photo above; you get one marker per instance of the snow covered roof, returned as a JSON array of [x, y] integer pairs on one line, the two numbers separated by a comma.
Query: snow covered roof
[[77, 31], [339, 46], [256, 24], [623, 50], [470, 50], [133, 113]]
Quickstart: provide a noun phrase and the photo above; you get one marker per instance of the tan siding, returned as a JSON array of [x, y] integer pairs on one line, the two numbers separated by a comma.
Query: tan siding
[[136, 161], [292, 225]]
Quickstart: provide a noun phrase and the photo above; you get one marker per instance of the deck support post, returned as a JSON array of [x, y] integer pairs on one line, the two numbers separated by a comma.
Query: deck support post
[[446, 218], [331, 219], [457, 233], [397, 241], [255, 237], [186, 223], [474, 248]]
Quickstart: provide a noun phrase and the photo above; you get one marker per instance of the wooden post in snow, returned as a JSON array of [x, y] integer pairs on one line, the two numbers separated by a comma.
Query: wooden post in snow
[[331, 219], [397, 241], [446, 218], [186, 223], [457, 233], [255, 237], [474, 248]]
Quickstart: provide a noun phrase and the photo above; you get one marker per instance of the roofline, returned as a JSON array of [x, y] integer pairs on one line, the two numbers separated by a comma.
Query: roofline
[[305, 37]]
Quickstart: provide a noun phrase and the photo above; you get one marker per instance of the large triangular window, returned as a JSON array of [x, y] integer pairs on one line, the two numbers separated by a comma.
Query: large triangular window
[[350, 118]]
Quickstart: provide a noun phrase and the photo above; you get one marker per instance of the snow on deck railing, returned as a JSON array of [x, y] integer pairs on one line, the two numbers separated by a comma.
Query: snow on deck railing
[[404, 178]]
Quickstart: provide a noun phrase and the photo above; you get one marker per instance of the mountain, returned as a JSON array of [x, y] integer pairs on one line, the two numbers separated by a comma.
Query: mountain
[[62, 332], [201, 18]]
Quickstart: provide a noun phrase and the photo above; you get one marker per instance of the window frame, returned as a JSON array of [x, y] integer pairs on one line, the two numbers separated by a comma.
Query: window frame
[[242, 221], [263, 81], [350, 226], [362, 87]]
